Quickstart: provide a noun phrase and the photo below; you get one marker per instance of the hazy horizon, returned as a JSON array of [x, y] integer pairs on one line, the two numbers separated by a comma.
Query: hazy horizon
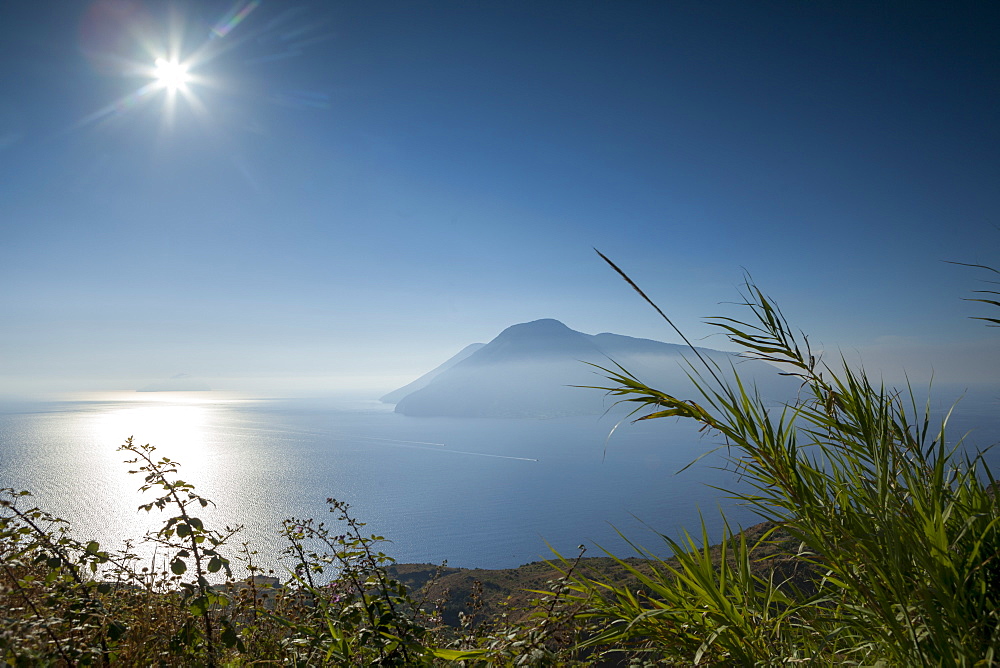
[[304, 197]]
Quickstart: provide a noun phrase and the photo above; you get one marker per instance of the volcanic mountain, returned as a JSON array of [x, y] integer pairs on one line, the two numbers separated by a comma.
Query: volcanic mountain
[[532, 370]]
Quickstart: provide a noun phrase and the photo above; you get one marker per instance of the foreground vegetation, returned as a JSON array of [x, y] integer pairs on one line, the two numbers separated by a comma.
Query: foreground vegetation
[[881, 547], [896, 526]]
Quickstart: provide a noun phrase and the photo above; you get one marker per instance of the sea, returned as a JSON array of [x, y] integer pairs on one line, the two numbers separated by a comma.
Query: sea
[[476, 492]]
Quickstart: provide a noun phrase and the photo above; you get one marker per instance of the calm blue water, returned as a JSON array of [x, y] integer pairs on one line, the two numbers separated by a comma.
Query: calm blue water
[[476, 492]]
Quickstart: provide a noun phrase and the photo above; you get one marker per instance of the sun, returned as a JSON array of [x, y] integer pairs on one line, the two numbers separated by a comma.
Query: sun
[[170, 74], [166, 75]]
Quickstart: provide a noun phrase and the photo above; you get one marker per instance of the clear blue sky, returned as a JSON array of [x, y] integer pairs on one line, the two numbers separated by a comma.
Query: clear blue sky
[[353, 191]]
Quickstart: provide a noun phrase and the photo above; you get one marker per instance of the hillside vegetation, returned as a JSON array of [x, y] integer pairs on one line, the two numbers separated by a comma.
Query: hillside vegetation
[[881, 547]]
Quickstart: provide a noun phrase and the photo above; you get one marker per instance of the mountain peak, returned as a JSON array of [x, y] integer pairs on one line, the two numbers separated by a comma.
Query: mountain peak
[[545, 326], [546, 338]]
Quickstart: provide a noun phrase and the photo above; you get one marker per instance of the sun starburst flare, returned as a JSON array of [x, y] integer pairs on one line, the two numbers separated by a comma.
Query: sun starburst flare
[[170, 74]]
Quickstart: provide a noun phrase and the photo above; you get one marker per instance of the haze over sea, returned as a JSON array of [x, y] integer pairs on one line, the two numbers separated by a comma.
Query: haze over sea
[[489, 493]]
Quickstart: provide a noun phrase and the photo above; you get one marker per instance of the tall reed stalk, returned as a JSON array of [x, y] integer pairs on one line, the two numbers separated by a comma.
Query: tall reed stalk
[[895, 530]]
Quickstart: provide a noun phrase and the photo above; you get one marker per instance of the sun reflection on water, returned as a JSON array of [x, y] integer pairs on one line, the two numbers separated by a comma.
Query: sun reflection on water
[[178, 431], [189, 428], [186, 427]]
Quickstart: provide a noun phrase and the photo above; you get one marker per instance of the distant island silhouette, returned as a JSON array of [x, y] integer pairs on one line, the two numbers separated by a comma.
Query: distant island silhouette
[[533, 370]]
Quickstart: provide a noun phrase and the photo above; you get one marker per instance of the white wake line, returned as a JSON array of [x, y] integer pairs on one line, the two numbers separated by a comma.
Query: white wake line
[[486, 454], [405, 444]]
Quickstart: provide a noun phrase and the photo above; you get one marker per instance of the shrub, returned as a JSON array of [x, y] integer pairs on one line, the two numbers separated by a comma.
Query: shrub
[[72, 603]]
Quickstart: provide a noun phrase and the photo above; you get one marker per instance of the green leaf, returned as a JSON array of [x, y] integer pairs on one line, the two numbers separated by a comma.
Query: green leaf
[[217, 599], [178, 567], [458, 655], [116, 630], [229, 637], [214, 565], [199, 605]]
